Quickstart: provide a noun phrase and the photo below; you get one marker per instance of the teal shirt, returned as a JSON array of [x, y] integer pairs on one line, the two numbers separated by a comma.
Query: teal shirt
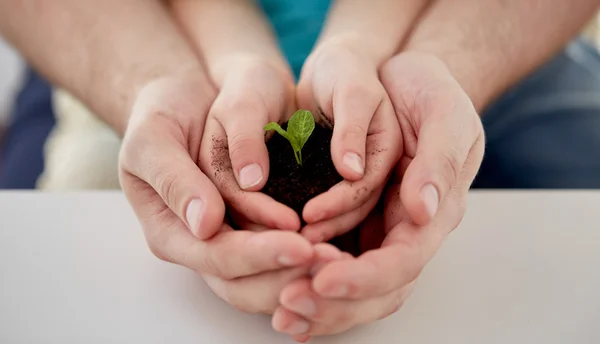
[[297, 24]]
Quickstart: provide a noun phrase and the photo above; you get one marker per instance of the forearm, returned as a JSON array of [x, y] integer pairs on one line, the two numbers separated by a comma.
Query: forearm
[[222, 30], [490, 45], [376, 27], [103, 52]]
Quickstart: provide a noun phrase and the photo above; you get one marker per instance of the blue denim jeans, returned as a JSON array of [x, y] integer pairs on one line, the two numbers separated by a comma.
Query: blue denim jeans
[[543, 133]]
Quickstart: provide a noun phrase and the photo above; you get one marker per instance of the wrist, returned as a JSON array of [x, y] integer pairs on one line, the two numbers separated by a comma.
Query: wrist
[[252, 63], [113, 95], [368, 46], [480, 81]]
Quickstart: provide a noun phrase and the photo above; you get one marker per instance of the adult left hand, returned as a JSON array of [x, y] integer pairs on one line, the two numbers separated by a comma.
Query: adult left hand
[[426, 199]]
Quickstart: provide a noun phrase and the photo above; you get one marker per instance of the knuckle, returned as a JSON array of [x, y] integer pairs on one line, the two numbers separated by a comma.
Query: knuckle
[[353, 131], [239, 144], [344, 318], [166, 186], [367, 92], [235, 102], [157, 250], [451, 165], [460, 207], [393, 307], [210, 265], [475, 124]]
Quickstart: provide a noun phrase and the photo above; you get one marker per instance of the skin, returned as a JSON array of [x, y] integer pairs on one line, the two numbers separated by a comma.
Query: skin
[[340, 78], [166, 92], [96, 49], [157, 94], [459, 58]]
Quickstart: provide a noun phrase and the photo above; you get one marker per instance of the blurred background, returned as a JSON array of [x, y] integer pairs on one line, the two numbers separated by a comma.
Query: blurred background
[[12, 72]]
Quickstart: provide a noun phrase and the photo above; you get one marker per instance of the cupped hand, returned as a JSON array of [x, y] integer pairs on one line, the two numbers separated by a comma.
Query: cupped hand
[[426, 200], [252, 91], [181, 210], [340, 83]]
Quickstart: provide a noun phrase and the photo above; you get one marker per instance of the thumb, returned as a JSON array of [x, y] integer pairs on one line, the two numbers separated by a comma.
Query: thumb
[[444, 142], [160, 159], [247, 149]]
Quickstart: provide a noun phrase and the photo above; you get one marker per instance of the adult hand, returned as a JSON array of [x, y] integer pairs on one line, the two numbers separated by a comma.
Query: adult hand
[[181, 210], [340, 83], [443, 149]]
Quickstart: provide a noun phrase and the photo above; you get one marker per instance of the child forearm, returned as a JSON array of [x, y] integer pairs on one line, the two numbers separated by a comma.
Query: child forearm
[[376, 27], [222, 30]]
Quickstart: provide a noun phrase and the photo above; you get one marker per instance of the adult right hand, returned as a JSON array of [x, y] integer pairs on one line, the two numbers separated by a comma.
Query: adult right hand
[[182, 212]]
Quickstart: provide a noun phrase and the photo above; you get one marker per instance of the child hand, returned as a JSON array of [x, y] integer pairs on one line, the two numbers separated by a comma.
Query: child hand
[[340, 83], [252, 93], [255, 86]]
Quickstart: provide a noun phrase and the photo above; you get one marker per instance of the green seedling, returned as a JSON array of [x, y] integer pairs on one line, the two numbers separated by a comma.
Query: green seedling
[[299, 129]]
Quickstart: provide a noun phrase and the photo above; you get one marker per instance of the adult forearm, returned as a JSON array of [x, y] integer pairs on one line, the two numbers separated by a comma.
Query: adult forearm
[[376, 27], [490, 45], [102, 52]]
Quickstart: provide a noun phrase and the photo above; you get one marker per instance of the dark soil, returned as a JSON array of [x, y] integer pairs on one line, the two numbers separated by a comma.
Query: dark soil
[[294, 185]]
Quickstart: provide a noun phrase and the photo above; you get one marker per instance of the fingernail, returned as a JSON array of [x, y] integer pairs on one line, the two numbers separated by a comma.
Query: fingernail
[[298, 327], [302, 338], [431, 198], [354, 162], [286, 260], [250, 176], [194, 214], [340, 291], [303, 306]]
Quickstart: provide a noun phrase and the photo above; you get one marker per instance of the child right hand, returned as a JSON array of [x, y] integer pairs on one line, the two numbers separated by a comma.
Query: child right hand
[[255, 86], [252, 92]]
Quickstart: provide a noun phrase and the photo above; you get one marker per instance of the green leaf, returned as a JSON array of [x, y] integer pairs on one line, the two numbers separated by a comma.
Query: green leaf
[[301, 126], [295, 146], [275, 126], [299, 129]]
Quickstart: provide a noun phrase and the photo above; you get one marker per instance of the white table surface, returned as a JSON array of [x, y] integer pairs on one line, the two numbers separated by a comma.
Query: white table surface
[[74, 268]]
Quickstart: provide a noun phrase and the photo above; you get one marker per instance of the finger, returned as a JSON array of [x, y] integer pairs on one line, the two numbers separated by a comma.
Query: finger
[[157, 153], [229, 254], [329, 229], [243, 112], [285, 321], [256, 207], [403, 254], [255, 293], [447, 128], [329, 316], [354, 104], [442, 151], [324, 253], [384, 145]]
